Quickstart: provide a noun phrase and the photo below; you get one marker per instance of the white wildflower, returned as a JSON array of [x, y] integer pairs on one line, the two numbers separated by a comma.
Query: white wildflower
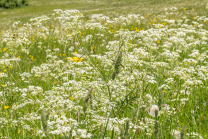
[[176, 134], [153, 110]]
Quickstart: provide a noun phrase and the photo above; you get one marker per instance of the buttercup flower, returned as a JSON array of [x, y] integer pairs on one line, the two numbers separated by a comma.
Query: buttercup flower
[[6, 107]]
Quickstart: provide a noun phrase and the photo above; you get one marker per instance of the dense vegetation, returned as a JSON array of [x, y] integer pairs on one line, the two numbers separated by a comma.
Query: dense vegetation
[[127, 76], [13, 3]]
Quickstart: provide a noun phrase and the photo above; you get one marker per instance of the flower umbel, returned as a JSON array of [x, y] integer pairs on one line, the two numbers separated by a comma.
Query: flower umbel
[[153, 110], [176, 134]]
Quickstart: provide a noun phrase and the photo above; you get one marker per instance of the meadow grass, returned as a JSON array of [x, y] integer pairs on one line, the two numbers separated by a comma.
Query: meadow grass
[[115, 75], [107, 7]]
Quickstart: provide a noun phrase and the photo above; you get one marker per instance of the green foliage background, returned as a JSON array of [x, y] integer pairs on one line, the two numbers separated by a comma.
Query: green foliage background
[[9, 4]]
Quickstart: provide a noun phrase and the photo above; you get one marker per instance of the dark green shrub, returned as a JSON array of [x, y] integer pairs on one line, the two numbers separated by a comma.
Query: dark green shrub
[[13, 3]]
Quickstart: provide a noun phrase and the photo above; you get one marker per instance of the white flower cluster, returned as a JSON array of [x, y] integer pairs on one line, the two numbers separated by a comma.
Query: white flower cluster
[[74, 55]]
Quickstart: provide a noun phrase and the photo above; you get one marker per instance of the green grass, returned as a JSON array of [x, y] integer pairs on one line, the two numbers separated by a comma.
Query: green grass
[[108, 7], [75, 79]]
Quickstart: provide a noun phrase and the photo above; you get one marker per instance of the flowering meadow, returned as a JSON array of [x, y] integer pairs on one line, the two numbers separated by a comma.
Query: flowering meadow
[[127, 77]]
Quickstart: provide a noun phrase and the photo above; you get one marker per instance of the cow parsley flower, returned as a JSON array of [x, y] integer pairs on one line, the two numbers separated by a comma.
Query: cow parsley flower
[[153, 110], [176, 133]]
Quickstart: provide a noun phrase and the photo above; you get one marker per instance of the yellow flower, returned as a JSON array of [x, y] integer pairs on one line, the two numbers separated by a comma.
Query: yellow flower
[[6, 107], [3, 85], [71, 98], [5, 49], [81, 59], [69, 58], [18, 131], [184, 8], [75, 59]]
